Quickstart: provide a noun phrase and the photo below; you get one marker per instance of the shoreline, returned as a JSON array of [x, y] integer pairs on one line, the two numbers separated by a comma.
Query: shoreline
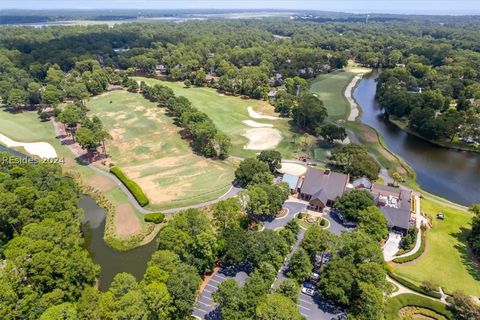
[[411, 182], [435, 143]]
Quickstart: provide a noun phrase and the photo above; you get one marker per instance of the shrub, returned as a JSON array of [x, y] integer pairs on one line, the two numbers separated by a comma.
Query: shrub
[[416, 254], [300, 215], [323, 222], [394, 305], [414, 287], [132, 186], [155, 217]]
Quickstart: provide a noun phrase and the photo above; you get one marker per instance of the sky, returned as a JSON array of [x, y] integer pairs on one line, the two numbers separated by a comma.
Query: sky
[[354, 6]]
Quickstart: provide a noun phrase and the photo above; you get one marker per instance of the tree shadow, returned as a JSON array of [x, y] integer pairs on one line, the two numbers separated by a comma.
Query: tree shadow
[[466, 255]]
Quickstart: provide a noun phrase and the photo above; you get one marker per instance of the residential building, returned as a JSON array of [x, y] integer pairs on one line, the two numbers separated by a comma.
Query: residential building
[[321, 187], [396, 206]]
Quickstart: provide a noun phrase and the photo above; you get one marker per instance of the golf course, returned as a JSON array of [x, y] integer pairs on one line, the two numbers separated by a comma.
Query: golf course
[[124, 223], [250, 129], [148, 147]]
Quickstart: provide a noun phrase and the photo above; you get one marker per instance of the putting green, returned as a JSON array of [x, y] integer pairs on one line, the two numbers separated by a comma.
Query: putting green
[[229, 113], [149, 149]]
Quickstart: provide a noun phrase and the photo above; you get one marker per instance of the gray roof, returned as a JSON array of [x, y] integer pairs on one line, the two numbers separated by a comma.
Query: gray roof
[[324, 186], [397, 217]]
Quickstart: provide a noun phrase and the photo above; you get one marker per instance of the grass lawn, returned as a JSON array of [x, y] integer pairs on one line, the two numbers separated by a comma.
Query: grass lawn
[[27, 127], [147, 146], [228, 112], [446, 261], [417, 306], [330, 88]]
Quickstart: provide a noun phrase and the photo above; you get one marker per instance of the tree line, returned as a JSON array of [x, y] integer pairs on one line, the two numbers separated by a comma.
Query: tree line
[[205, 138]]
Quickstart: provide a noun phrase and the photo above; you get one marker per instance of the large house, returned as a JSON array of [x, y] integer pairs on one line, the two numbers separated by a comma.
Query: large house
[[396, 206], [321, 187]]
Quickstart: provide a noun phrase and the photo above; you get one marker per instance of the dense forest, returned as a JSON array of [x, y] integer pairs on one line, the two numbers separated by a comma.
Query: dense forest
[[430, 79]]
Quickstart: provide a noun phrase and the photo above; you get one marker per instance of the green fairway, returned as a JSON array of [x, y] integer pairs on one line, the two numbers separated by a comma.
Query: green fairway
[[27, 127], [148, 147], [228, 112], [446, 261], [330, 88]]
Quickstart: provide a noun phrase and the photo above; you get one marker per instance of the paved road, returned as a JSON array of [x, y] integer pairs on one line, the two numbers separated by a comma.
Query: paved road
[[205, 308], [293, 209]]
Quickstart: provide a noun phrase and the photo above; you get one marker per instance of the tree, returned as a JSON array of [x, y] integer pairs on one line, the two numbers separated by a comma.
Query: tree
[[397, 178], [299, 266], [232, 300], [87, 139], [336, 282], [266, 199], [354, 160], [463, 306], [227, 214], [372, 221], [248, 168], [187, 83], [310, 112], [158, 300], [272, 158], [277, 307], [331, 132], [52, 95], [368, 302], [199, 79], [64, 311], [318, 241], [16, 98], [351, 203], [289, 288], [474, 236]]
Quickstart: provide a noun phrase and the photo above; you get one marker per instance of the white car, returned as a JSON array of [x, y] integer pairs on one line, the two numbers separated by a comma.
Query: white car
[[308, 291]]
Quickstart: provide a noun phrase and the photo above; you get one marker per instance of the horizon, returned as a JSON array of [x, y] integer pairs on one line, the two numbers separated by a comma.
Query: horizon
[[428, 7]]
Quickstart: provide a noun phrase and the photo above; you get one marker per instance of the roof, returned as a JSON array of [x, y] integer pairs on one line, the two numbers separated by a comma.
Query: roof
[[291, 179], [399, 218], [396, 205], [324, 184]]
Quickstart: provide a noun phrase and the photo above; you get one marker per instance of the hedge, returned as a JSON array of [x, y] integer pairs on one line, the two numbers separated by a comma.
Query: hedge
[[417, 254], [155, 217], [132, 186], [414, 287], [395, 304]]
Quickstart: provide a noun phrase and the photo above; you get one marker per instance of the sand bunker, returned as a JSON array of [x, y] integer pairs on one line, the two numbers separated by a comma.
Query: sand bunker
[[292, 168], [262, 138], [255, 124], [257, 115], [42, 149]]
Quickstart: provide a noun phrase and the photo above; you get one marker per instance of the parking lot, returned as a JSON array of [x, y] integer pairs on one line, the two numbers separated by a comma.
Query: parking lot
[[205, 307], [315, 308]]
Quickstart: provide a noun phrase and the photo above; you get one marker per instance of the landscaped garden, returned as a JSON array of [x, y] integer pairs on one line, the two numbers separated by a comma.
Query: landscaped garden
[[416, 307], [149, 149], [446, 261]]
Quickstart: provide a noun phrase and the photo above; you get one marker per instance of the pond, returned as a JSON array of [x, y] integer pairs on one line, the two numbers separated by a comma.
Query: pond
[[111, 261], [451, 174]]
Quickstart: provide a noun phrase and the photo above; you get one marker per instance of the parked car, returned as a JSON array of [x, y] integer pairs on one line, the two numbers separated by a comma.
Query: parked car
[[308, 291], [314, 277], [440, 216]]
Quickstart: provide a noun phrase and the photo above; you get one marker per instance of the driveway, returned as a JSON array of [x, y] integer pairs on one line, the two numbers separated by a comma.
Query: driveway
[[336, 226], [293, 208], [391, 246], [205, 308]]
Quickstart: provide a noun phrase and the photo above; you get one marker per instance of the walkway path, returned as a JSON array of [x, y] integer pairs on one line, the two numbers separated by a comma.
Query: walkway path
[[419, 221]]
